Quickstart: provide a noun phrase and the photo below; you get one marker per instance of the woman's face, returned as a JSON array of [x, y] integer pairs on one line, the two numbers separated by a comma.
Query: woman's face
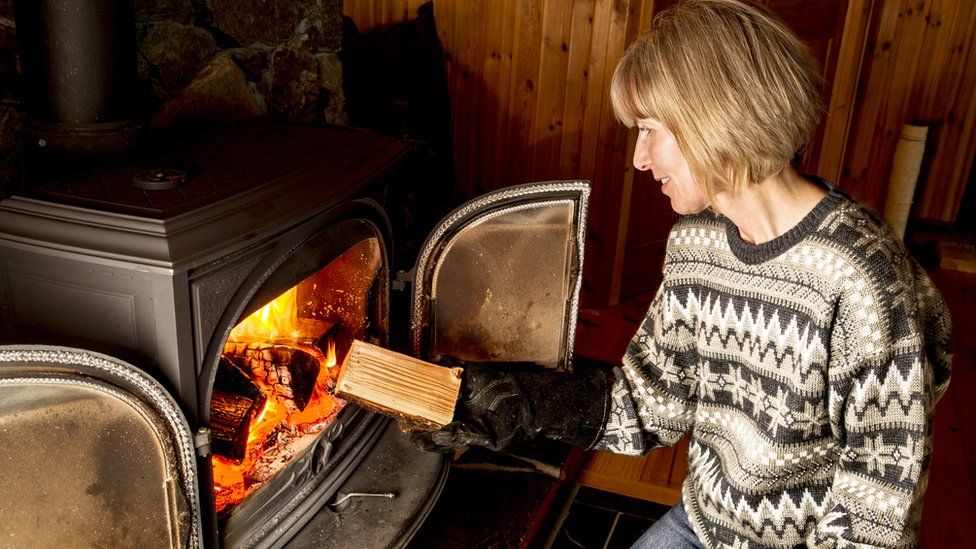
[[658, 152]]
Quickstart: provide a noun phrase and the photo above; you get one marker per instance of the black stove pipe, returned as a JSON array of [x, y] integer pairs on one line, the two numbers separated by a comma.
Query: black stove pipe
[[79, 66]]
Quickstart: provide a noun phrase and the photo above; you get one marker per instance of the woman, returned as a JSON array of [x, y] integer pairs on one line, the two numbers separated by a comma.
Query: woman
[[792, 336]]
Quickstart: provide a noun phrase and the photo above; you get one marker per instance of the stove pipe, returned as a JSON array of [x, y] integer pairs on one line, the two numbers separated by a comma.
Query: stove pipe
[[79, 66]]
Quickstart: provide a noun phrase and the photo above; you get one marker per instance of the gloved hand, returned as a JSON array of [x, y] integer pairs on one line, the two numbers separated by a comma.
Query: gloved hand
[[502, 404]]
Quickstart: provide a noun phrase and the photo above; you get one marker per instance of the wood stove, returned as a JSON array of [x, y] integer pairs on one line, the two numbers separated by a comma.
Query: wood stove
[[235, 268]]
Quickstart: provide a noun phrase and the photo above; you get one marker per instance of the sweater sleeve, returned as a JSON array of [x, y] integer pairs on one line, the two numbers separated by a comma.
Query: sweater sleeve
[[889, 365], [654, 392]]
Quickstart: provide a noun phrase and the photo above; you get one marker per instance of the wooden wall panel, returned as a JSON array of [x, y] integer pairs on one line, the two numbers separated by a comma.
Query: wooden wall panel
[[846, 77], [895, 54], [919, 69], [948, 100], [529, 85]]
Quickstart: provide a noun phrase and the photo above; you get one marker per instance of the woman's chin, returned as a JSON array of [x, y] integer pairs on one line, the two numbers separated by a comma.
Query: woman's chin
[[680, 208]]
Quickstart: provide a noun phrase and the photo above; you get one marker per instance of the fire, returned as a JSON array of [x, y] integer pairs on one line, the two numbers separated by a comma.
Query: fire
[[278, 430], [330, 354], [277, 319], [287, 352]]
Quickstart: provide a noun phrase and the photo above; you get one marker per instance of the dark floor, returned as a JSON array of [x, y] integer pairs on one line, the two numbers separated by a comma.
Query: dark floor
[[496, 500], [598, 519]]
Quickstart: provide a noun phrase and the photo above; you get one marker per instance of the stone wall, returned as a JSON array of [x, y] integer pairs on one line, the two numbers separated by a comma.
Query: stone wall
[[205, 62]]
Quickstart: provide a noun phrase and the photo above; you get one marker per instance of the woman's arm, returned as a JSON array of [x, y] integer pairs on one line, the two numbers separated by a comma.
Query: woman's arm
[[890, 361], [654, 393]]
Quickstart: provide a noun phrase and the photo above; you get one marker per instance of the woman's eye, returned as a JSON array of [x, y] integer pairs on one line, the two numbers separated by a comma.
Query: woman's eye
[[644, 131]]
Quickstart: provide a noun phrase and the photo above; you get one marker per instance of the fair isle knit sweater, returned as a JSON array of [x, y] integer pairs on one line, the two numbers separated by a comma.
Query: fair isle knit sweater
[[806, 369]]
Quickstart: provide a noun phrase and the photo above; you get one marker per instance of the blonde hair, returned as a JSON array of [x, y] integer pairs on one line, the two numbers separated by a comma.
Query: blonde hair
[[738, 89]]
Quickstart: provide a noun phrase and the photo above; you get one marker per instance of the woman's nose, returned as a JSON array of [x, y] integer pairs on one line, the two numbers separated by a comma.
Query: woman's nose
[[641, 158]]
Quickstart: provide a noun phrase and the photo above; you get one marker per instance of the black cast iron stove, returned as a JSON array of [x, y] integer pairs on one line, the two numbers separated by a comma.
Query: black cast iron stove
[[224, 277]]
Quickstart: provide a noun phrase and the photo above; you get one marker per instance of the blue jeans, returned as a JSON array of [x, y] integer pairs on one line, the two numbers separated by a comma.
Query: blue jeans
[[672, 531]]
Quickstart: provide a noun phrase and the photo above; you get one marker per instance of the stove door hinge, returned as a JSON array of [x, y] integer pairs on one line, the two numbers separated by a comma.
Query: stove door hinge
[[201, 441], [403, 279]]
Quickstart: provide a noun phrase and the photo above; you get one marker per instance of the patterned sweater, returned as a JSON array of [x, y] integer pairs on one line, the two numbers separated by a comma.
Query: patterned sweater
[[806, 368]]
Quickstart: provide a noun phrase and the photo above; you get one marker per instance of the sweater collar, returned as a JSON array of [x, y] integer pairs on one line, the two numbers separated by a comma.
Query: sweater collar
[[753, 254]]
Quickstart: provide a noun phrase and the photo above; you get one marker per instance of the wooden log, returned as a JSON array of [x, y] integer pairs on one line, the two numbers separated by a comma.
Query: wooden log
[[420, 395], [232, 379], [288, 371], [230, 423]]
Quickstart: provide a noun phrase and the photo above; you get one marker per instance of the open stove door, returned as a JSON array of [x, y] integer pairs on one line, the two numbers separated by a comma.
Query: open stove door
[[498, 279], [95, 453]]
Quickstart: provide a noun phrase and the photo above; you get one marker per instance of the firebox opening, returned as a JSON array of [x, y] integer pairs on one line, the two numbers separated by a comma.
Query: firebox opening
[[273, 391]]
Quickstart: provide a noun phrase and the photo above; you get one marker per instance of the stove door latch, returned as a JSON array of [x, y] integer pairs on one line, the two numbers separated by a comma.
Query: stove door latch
[[201, 441], [403, 279]]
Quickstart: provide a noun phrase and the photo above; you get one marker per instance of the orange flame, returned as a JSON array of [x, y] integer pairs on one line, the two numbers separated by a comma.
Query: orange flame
[[275, 322], [277, 319], [330, 354]]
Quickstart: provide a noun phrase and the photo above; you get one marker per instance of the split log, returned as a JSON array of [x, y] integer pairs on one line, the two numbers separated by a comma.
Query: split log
[[230, 423], [420, 395], [288, 371], [233, 379]]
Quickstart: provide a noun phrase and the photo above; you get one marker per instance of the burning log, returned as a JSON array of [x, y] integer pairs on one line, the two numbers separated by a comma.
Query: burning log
[[230, 422], [289, 371], [236, 399], [233, 379], [420, 395]]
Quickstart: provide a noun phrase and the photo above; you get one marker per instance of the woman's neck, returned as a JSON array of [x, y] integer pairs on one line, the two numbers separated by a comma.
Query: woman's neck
[[766, 210]]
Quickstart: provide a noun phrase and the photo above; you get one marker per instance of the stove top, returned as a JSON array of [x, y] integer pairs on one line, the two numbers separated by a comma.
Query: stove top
[[209, 168]]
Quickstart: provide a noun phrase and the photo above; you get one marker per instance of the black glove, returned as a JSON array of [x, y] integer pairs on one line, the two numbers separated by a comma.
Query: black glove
[[502, 404]]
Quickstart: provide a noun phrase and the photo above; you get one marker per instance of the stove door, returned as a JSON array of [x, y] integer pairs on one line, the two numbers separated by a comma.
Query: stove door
[[499, 278], [95, 453]]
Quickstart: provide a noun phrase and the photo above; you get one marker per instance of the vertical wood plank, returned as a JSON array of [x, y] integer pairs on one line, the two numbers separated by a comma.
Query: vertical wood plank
[[599, 43], [638, 18], [596, 289], [496, 71], [577, 79], [846, 77], [523, 91], [501, 129], [871, 99], [610, 168], [952, 152], [935, 42], [470, 89], [908, 52], [552, 79]]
